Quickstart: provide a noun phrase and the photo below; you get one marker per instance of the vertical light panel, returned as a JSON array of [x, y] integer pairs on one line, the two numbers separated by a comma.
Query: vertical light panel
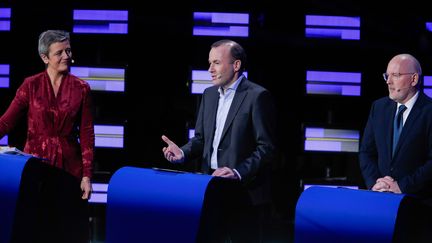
[[427, 85], [201, 79], [102, 79], [99, 193], [4, 75], [108, 136], [429, 26], [221, 24], [333, 83], [4, 141], [191, 133], [331, 140], [5, 16], [340, 27], [100, 21]]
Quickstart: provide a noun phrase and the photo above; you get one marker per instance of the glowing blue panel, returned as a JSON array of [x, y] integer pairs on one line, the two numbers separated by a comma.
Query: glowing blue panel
[[99, 193], [306, 186], [221, 24], [331, 140], [427, 85], [343, 215], [201, 80], [341, 27], [335, 21], [333, 83], [4, 141], [333, 33], [100, 21], [5, 15], [429, 26], [191, 133], [102, 79], [109, 136], [4, 75]]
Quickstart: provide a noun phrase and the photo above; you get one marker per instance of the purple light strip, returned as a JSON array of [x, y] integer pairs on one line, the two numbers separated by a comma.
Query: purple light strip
[[5, 13], [345, 34], [4, 25], [4, 82], [100, 187], [331, 146], [4, 75], [330, 89], [191, 133], [427, 80], [111, 15], [339, 77], [111, 28], [429, 26], [109, 136], [104, 79], [239, 31], [4, 140], [337, 21], [98, 197], [4, 69], [226, 18], [316, 132], [428, 91]]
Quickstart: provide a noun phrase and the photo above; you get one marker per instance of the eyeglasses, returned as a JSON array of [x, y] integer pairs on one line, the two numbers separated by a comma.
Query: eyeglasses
[[396, 76]]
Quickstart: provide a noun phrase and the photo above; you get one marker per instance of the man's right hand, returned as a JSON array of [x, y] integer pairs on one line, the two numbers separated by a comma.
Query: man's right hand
[[172, 152]]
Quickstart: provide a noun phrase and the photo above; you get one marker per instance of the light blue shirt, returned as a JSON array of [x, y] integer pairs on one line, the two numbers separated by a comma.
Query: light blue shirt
[[409, 104], [225, 101]]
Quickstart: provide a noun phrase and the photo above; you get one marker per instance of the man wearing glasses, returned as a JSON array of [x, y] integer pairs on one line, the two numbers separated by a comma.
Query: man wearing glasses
[[396, 149]]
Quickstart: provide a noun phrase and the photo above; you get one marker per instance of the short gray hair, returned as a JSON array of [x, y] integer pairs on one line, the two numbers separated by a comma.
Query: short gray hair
[[49, 37]]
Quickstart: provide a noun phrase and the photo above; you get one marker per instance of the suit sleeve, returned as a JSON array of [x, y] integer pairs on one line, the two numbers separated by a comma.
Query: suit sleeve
[[264, 131], [87, 137], [420, 180], [368, 155]]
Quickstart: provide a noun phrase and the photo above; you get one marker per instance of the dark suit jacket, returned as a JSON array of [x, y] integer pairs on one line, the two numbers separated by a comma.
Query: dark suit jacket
[[248, 139], [411, 164]]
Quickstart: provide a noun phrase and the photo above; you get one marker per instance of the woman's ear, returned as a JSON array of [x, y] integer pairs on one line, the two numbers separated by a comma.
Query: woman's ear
[[44, 58]]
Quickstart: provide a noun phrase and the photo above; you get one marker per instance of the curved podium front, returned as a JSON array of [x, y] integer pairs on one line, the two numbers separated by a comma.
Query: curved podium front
[[39, 203], [346, 215], [148, 205]]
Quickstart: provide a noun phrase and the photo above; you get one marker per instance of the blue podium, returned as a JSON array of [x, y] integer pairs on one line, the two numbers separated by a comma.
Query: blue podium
[[346, 215], [149, 205], [40, 203], [11, 168]]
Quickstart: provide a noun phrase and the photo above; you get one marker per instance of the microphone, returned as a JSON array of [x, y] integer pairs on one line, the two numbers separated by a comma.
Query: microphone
[[72, 61]]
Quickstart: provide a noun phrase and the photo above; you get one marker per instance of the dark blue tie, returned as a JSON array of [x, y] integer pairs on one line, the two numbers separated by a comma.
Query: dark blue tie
[[397, 126]]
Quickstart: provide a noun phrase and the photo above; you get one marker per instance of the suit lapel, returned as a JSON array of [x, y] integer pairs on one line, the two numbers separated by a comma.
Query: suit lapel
[[409, 123], [240, 95], [213, 106]]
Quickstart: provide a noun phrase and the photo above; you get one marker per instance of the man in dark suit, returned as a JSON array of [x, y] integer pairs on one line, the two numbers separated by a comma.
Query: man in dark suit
[[235, 128], [396, 149]]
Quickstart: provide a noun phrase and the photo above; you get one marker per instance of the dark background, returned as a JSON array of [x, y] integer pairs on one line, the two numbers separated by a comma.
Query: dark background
[[159, 52]]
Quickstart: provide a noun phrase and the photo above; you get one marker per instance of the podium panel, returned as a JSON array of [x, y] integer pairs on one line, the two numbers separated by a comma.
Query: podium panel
[[40, 203], [11, 167], [147, 205], [344, 215]]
